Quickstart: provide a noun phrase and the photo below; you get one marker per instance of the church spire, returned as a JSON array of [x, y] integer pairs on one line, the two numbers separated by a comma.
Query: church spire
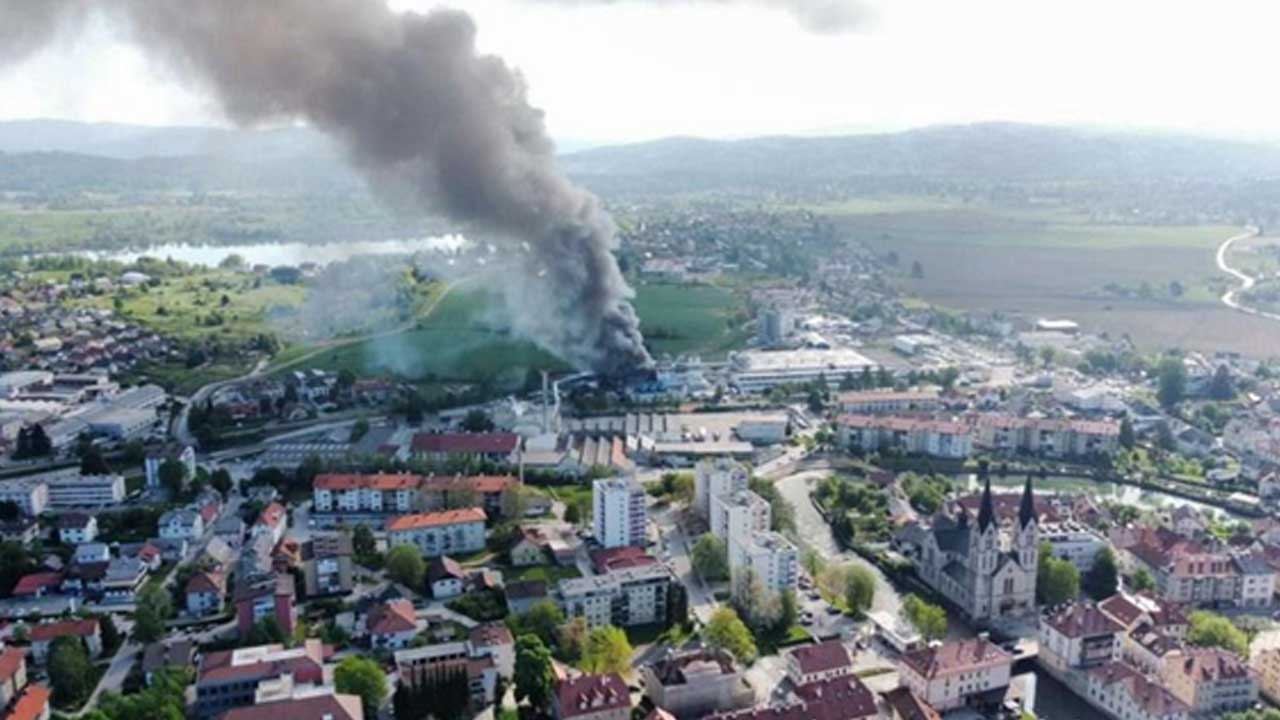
[[986, 509], [1027, 512]]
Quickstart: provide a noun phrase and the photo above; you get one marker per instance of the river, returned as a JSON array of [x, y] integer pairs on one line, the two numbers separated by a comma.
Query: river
[[1125, 494], [273, 254]]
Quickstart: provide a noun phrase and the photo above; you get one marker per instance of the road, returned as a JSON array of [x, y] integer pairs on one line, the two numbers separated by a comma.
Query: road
[[676, 542], [1231, 297]]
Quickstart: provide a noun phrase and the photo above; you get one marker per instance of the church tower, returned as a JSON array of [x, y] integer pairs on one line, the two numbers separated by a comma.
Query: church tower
[[985, 541], [1027, 541]]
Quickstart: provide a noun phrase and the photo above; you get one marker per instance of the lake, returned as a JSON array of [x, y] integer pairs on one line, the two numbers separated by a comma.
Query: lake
[[282, 253]]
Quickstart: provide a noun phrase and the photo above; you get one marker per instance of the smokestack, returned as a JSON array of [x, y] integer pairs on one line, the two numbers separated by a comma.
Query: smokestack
[[546, 425], [432, 124]]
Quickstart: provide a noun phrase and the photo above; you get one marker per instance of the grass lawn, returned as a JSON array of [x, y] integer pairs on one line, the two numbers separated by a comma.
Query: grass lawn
[[550, 574], [679, 319]]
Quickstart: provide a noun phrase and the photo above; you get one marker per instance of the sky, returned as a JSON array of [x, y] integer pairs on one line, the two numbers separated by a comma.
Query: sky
[[635, 70]]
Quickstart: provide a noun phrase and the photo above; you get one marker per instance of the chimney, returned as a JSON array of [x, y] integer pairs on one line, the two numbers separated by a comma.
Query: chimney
[[546, 422]]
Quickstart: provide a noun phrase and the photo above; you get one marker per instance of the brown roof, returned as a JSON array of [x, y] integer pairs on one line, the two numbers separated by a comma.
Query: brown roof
[[906, 705], [10, 660], [1146, 693], [589, 694], [1082, 620], [207, 582], [316, 707], [465, 442], [955, 655], [394, 616], [159, 655], [483, 484], [844, 697], [306, 665], [272, 514], [47, 632], [491, 634], [379, 481], [1122, 609], [447, 517], [822, 657], [1211, 664], [444, 567]]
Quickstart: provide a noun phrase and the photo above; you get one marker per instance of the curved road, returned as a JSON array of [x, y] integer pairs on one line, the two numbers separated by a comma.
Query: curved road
[[1231, 297]]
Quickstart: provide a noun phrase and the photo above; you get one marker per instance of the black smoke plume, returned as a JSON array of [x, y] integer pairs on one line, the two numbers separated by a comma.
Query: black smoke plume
[[433, 125]]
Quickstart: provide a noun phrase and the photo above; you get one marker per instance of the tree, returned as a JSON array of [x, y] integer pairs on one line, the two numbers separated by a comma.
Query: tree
[[1127, 439], [362, 676], [9, 511], [363, 544], [220, 479], [1172, 383], [1047, 353], [173, 476], [534, 674], [917, 270], [1208, 629], [790, 611], [1222, 387], [476, 421], [726, 631], [359, 429], [1103, 579], [930, 620], [93, 463], [1057, 581], [70, 671], [15, 561], [1141, 580], [607, 651], [153, 608], [110, 634], [860, 589], [542, 621], [710, 558], [266, 632], [571, 638], [406, 566]]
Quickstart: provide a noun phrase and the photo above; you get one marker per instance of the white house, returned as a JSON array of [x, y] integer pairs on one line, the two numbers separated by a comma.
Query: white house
[[76, 528], [954, 673], [817, 663], [181, 524]]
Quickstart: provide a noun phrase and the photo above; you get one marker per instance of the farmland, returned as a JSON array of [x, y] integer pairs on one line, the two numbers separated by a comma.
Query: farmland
[[680, 319], [1158, 285]]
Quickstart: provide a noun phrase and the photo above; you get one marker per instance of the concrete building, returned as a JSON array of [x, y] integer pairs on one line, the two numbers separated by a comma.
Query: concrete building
[[619, 517], [1079, 636], [496, 447], [739, 515], [31, 497], [591, 697], [1122, 691], [716, 477], [820, 662], [763, 429], [151, 465], [86, 491], [695, 684], [769, 557], [1075, 542], [380, 493], [631, 596], [956, 673], [227, 679], [755, 371], [934, 438], [888, 402], [1211, 681], [432, 662], [439, 533]]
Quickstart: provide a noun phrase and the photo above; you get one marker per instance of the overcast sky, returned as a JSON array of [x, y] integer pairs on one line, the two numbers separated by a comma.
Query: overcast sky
[[633, 70]]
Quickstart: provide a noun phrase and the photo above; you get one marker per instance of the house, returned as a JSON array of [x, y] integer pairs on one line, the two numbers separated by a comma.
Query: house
[[439, 533], [76, 528], [376, 493], [696, 684], [91, 552], [1212, 681], [123, 579], [216, 554], [956, 673], [906, 705], [205, 592], [172, 653], [13, 674], [227, 679], [149, 555], [494, 639], [32, 704], [306, 704], [591, 697], [184, 524], [632, 596], [269, 597], [445, 577], [43, 634], [442, 492], [392, 625], [273, 521], [496, 447], [1122, 691], [845, 698], [818, 663], [1188, 522], [37, 585], [432, 662], [21, 530], [84, 579], [1079, 636], [541, 543], [152, 463], [524, 594]]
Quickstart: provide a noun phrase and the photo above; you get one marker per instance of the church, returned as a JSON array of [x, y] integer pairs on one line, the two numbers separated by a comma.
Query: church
[[985, 567]]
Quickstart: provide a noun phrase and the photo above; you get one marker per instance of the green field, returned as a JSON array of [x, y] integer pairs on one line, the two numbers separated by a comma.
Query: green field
[[680, 319]]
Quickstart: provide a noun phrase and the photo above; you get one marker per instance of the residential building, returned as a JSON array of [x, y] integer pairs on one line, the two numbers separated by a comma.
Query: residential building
[[392, 625], [1211, 681], [32, 704], [269, 597], [494, 639], [182, 523], [845, 698], [496, 447], [523, 595], [591, 697], [42, 636], [545, 542], [632, 596], [888, 402], [906, 705], [445, 577], [380, 493], [91, 552], [205, 592], [1265, 663], [85, 491], [327, 565], [818, 663], [1079, 636], [1133, 611], [1191, 572], [1074, 542], [1122, 691], [13, 674], [273, 521], [151, 465], [768, 556], [31, 496], [123, 580], [619, 517], [956, 673], [1047, 437], [718, 476], [21, 530], [439, 533], [934, 438], [177, 653], [443, 492], [738, 515], [227, 679], [37, 585], [77, 528], [692, 685], [987, 570], [321, 703], [431, 662]]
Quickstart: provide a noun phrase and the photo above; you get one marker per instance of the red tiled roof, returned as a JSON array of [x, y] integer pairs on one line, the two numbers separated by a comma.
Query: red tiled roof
[[491, 634], [379, 481], [907, 705], [955, 655], [31, 704], [272, 514], [822, 657], [396, 616], [590, 694], [844, 697], [1212, 664], [465, 442], [10, 660], [306, 666], [609, 559], [34, 582], [316, 707], [207, 582], [447, 517], [47, 632], [1121, 608], [1082, 620], [483, 484], [1149, 695]]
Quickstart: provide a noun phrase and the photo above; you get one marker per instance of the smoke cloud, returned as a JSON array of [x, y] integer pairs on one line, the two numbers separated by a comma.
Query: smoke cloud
[[819, 16], [434, 126]]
